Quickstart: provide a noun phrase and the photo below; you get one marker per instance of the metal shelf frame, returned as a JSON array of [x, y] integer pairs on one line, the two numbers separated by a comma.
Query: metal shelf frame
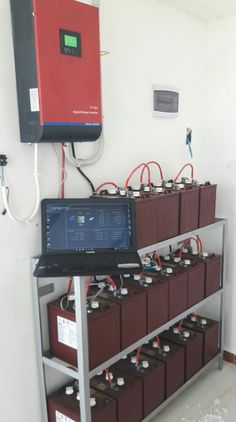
[[82, 374]]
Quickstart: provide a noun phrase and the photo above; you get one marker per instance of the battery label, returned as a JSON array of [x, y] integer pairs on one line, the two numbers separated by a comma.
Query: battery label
[[62, 418], [66, 331]]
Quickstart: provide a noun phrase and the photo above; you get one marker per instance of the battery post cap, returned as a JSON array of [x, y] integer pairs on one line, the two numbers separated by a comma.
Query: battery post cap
[[186, 334], [193, 318], [169, 270], [124, 291], [167, 258], [177, 259], [166, 348], [93, 401], [120, 381], [69, 390], [148, 280], [137, 277], [154, 345], [205, 254], [145, 364], [136, 194], [109, 376], [133, 360], [126, 275], [99, 373], [187, 262], [203, 321], [175, 330], [95, 304], [78, 396]]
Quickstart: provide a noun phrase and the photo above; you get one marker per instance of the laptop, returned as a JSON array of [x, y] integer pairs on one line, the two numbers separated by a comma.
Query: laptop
[[94, 236]]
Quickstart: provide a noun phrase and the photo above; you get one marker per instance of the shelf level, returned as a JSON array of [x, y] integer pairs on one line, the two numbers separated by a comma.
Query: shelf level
[[63, 367]]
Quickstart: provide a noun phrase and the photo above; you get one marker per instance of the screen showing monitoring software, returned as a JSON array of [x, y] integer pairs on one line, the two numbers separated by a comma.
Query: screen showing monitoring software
[[73, 227]]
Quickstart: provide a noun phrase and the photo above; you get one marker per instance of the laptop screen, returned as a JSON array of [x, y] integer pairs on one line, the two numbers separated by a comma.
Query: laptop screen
[[93, 224]]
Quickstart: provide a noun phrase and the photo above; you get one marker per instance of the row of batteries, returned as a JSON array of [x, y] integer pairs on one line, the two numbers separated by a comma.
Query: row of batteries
[[136, 385], [169, 210]]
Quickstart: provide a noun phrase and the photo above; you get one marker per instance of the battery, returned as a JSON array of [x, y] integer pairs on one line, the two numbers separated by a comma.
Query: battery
[[64, 407], [157, 218], [103, 329], [212, 270], [207, 204], [210, 330], [157, 294], [125, 389], [173, 357], [152, 374], [189, 209], [196, 276], [133, 313], [192, 342], [178, 289]]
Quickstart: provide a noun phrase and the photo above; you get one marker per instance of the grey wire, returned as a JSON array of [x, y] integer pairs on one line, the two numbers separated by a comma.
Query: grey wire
[[122, 282]]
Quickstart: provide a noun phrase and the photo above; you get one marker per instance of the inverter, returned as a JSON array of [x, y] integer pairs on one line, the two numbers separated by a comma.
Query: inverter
[[57, 59]]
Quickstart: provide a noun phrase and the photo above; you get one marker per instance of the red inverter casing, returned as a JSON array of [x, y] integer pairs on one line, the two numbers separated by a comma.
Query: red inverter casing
[[210, 330], [66, 408], [174, 361], [152, 377], [103, 333], [57, 58]]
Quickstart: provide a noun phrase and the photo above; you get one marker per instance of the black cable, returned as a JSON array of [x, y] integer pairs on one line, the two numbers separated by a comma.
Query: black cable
[[80, 171]]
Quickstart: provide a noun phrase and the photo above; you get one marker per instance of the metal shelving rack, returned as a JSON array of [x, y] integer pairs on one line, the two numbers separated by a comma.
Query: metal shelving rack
[[83, 375]]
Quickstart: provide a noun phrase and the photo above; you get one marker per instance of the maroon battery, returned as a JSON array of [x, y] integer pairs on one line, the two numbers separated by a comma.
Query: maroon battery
[[103, 329], [192, 342], [125, 389], [210, 330], [133, 313], [207, 204], [173, 357], [178, 289], [189, 209], [196, 277], [212, 270], [62, 406], [152, 374], [157, 218], [157, 294]]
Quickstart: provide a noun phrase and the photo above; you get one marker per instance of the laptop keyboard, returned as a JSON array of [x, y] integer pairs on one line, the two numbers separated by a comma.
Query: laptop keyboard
[[87, 263]]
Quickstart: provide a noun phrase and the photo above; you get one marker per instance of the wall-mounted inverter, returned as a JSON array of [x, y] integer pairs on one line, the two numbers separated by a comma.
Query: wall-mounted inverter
[[57, 59]]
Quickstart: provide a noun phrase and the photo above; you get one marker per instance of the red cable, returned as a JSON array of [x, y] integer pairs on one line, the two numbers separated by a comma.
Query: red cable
[[106, 183], [157, 164], [200, 243], [108, 376], [180, 329], [134, 171], [138, 354], [62, 172], [111, 281], [158, 342], [184, 243], [186, 165], [158, 259]]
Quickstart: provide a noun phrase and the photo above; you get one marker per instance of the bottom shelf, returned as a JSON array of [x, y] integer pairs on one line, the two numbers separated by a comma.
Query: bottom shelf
[[218, 357]]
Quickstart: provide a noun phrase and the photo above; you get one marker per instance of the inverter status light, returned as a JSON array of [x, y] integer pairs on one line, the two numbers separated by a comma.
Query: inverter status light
[[71, 41]]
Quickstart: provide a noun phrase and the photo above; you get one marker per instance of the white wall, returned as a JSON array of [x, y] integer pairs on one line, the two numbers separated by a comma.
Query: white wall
[[149, 43], [219, 158]]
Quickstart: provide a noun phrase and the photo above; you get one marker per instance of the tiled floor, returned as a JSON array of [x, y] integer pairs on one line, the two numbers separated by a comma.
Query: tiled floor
[[212, 398]]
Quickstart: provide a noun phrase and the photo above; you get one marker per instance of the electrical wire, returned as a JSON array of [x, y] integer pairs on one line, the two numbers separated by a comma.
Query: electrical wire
[[148, 164], [182, 169], [81, 171], [5, 193], [62, 173], [105, 184], [134, 171], [59, 164], [82, 162]]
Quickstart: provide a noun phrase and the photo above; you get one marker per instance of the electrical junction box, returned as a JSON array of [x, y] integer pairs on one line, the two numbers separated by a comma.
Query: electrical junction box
[[57, 59]]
